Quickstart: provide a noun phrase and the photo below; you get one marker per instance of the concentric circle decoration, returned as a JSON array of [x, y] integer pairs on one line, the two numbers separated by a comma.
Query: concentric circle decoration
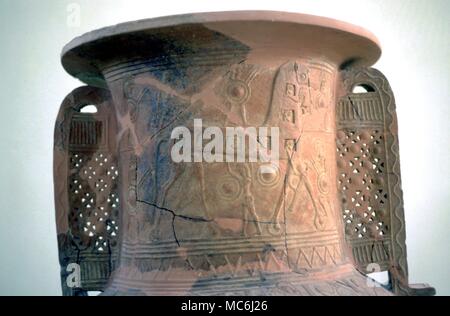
[[228, 188], [322, 183], [237, 91], [268, 175]]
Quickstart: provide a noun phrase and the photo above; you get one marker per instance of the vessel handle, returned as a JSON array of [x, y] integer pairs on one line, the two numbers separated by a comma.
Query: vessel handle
[[84, 153], [368, 164]]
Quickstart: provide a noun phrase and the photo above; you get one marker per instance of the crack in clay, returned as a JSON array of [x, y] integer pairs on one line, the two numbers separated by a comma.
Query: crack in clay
[[198, 219], [355, 108], [284, 202], [175, 231], [174, 216], [285, 222], [188, 218]]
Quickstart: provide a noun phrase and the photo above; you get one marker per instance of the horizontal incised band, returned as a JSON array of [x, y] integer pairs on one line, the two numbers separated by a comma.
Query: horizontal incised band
[[211, 59], [228, 246], [220, 283]]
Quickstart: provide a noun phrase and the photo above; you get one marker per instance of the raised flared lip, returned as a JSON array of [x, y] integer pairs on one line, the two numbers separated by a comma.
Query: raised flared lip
[[153, 24]]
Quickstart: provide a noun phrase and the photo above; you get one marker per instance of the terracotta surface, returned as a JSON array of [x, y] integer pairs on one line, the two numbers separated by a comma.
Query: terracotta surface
[[138, 223]]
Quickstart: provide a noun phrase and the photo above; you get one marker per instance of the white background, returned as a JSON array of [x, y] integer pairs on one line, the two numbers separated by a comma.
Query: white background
[[416, 60]]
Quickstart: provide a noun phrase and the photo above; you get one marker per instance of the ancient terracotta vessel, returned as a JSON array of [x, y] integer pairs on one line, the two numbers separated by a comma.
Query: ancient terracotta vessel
[[135, 222]]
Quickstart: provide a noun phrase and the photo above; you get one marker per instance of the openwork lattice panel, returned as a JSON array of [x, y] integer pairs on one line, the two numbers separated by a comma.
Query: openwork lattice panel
[[362, 181], [86, 191], [94, 200], [369, 175]]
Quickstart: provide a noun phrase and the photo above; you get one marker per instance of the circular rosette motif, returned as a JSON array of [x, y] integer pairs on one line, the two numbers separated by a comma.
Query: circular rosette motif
[[237, 91], [228, 188], [323, 183], [268, 175]]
